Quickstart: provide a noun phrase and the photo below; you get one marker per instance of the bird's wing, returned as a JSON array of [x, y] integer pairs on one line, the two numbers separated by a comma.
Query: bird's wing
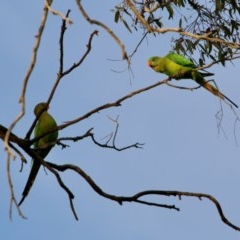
[[181, 60]]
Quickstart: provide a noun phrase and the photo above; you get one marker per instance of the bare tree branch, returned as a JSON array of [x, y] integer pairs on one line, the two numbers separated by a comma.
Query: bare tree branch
[[106, 28], [117, 103], [113, 138], [120, 199], [90, 134], [26, 78], [55, 12], [36, 157], [21, 114], [89, 47], [135, 197], [139, 16], [12, 195], [61, 72]]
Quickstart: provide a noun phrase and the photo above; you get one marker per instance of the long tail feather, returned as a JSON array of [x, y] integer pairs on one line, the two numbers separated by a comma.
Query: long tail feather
[[34, 171], [214, 90], [234, 104]]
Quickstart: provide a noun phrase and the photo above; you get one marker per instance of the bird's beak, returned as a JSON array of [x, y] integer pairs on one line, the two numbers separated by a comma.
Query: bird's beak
[[150, 64]]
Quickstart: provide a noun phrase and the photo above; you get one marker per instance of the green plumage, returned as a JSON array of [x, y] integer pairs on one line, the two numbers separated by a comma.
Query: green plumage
[[43, 146], [179, 67]]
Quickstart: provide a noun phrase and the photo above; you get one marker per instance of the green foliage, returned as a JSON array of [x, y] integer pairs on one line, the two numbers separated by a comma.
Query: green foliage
[[210, 20], [119, 14]]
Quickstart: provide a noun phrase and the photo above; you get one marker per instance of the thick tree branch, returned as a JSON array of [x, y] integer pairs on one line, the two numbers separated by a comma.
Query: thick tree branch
[[25, 145], [136, 197], [120, 199]]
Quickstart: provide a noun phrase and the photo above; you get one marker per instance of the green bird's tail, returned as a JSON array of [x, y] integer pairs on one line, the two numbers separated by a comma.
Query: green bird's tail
[[33, 173], [32, 176], [201, 81]]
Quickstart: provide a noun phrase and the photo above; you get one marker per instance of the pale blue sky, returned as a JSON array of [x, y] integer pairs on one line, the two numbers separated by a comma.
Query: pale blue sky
[[183, 148]]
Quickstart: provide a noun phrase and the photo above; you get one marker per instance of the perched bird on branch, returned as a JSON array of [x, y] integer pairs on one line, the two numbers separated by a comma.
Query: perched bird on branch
[[179, 67], [43, 145]]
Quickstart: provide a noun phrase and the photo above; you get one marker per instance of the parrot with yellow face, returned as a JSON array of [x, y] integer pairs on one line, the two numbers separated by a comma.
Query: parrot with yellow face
[[179, 67]]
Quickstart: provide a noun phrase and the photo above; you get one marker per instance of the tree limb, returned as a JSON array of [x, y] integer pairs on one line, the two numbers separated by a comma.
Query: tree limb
[[136, 197], [106, 28]]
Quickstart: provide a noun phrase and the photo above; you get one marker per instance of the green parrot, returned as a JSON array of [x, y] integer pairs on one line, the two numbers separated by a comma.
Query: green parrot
[[179, 67], [45, 124]]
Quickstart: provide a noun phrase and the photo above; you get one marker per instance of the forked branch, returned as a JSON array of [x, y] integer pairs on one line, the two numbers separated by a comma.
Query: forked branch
[[137, 197]]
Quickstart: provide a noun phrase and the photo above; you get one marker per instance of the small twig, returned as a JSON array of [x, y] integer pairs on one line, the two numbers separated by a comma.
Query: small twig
[[106, 28], [235, 125], [183, 88], [227, 58], [219, 118], [90, 134], [63, 29], [66, 189], [158, 205], [109, 137], [116, 130], [18, 152], [157, 6], [73, 209], [89, 47], [65, 18], [138, 45], [135, 145], [12, 195]]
